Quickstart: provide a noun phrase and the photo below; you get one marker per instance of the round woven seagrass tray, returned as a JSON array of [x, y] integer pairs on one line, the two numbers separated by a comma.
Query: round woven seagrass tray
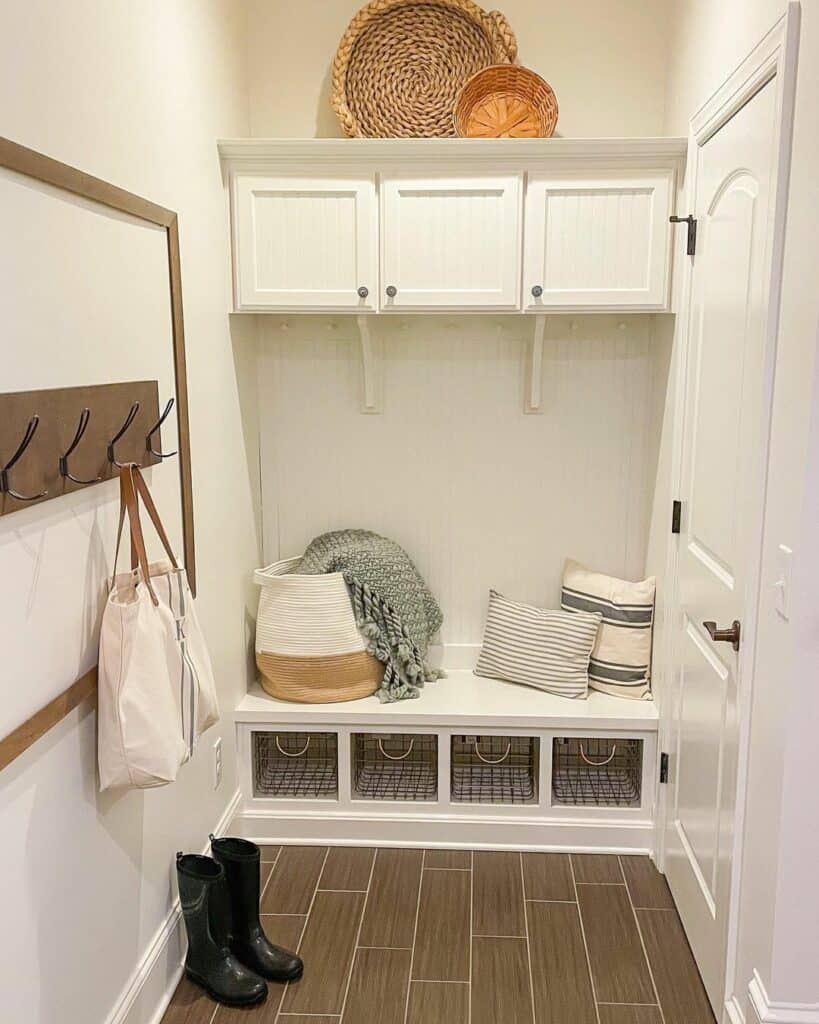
[[401, 64], [506, 101]]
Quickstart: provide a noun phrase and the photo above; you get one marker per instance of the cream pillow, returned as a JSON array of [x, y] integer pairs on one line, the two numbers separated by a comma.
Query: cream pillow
[[621, 658]]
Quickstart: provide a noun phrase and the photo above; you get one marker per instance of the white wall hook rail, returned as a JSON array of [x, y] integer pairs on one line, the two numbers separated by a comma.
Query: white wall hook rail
[[533, 373]]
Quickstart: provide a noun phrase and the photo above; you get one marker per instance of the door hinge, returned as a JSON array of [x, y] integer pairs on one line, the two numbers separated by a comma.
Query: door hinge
[[691, 221], [663, 768], [676, 516]]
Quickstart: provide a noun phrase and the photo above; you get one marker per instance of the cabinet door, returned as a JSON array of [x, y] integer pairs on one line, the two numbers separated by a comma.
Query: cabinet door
[[598, 243], [451, 243], [305, 243]]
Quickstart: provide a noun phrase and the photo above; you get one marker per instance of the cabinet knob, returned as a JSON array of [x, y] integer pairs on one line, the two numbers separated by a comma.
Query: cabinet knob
[[537, 291], [363, 292], [392, 291]]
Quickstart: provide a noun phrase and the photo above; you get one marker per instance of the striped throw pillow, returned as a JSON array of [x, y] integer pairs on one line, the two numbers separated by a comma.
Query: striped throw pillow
[[546, 649], [621, 659]]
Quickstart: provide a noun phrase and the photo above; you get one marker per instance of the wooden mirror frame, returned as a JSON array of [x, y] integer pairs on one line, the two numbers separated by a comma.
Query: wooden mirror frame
[[31, 164]]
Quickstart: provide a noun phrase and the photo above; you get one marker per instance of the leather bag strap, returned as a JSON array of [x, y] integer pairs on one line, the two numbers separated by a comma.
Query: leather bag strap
[[150, 507], [132, 487], [138, 553], [123, 510]]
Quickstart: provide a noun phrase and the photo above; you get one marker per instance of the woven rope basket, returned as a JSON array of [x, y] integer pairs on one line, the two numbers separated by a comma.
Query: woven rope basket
[[308, 647], [506, 101], [401, 64]]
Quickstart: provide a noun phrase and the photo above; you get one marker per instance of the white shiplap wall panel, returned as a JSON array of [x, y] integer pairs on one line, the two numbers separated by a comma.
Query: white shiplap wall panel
[[479, 494]]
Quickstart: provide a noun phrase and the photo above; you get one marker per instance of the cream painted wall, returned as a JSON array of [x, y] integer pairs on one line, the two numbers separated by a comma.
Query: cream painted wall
[[134, 93], [779, 901], [605, 61], [710, 38]]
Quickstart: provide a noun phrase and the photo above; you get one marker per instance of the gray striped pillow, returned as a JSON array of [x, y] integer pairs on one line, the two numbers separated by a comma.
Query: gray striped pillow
[[546, 649], [621, 659]]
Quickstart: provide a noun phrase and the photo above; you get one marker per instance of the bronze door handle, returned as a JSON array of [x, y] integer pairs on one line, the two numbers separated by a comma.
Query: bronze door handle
[[727, 636]]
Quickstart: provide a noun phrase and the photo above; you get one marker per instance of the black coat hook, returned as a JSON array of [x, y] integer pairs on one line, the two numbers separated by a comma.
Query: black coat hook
[[129, 419], [5, 487], [148, 446], [85, 416]]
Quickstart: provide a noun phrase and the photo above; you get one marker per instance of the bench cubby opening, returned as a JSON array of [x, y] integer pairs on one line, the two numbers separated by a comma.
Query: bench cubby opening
[[302, 765], [395, 766], [595, 771], [494, 769]]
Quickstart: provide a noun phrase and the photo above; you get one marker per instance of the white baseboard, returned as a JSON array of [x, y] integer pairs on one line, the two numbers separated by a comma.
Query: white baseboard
[[150, 988], [476, 832], [770, 1011], [733, 1012]]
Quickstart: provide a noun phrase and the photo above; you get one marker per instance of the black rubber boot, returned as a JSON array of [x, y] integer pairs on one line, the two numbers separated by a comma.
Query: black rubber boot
[[209, 962], [241, 860]]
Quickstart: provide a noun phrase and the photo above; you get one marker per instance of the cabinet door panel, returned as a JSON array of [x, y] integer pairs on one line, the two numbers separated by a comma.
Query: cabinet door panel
[[451, 243], [598, 243], [305, 244]]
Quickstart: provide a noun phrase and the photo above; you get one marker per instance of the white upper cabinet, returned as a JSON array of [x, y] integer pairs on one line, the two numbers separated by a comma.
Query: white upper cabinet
[[450, 243], [597, 242], [469, 225], [304, 243]]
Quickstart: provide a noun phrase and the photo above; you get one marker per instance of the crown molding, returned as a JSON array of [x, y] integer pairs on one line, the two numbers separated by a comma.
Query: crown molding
[[510, 154]]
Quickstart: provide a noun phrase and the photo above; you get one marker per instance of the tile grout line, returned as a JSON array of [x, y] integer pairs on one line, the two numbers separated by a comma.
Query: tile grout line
[[585, 943], [262, 891], [439, 981], [446, 869], [643, 945], [471, 923], [304, 927], [393, 949], [528, 943], [358, 933], [414, 934]]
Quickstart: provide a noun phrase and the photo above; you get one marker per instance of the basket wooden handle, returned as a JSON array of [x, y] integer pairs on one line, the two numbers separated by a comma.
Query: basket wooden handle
[[287, 752], [396, 757], [489, 760], [598, 764]]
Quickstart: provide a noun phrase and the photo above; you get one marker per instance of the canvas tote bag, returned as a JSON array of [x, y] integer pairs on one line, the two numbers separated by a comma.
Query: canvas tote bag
[[156, 687]]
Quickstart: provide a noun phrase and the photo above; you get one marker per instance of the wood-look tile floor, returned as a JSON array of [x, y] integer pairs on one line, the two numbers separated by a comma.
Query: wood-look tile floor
[[455, 937]]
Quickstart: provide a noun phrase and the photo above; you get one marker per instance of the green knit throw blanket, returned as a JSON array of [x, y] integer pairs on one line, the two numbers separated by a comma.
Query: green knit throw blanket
[[392, 604]]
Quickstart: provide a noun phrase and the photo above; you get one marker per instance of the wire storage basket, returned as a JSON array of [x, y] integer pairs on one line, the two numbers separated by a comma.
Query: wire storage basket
[[597, 772], [395, 766], [494, 769], [295, 764]]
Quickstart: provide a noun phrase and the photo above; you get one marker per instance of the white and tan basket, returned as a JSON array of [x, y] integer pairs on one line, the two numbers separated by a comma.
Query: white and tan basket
[[308, 647]]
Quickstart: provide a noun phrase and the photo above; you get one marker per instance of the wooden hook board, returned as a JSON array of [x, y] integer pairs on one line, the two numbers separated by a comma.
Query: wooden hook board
[[59, 410]]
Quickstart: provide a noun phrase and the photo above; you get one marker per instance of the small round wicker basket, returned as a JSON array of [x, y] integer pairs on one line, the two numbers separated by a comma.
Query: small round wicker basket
[[400, 64], [506, 101]]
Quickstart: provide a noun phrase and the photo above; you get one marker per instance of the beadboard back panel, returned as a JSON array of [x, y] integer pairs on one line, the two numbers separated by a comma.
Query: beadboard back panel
[[480, 494]]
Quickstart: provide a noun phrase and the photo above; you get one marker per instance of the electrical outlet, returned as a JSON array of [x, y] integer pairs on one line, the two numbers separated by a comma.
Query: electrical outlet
[[217, 762]]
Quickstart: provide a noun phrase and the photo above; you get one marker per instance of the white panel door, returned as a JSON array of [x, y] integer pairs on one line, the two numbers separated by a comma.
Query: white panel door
[[451, 243], [305, 244], [721, 483], [601, 242]]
